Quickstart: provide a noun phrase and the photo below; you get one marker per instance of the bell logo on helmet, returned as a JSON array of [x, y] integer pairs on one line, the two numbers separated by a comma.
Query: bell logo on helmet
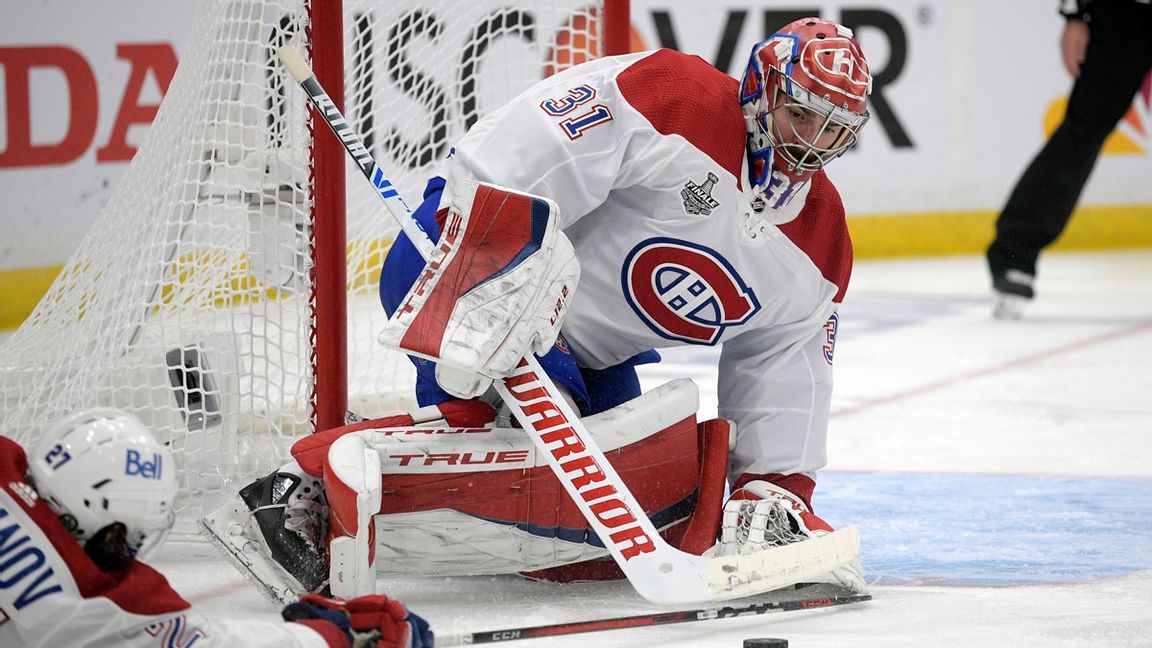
[[148, 469], [100, 466]]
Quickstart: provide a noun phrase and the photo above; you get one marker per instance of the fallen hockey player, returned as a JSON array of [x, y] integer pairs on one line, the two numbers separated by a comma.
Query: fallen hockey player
[[690, 208], [80, 513]]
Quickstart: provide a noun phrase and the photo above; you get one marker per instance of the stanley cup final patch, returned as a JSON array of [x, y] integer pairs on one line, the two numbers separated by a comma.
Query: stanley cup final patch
[[698, 197]]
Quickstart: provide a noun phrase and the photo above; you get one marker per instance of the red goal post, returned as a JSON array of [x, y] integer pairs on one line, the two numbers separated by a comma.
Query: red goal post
[[227, 293]]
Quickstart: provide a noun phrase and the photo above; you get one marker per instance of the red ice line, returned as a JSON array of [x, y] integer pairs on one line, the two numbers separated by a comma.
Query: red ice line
[[1010, 364]]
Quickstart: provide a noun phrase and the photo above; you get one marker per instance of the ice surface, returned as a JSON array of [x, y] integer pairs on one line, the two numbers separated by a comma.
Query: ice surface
[[1000, 474]]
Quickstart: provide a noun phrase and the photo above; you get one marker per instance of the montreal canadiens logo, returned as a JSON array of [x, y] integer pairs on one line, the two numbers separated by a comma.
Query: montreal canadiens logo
[[684, 291]]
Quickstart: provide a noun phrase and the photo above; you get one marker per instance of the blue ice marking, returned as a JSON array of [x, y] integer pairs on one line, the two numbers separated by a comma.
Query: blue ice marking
[[991, 530]]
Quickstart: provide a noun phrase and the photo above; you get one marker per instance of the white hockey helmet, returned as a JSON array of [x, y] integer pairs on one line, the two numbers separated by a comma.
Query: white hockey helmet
[[101, 466]]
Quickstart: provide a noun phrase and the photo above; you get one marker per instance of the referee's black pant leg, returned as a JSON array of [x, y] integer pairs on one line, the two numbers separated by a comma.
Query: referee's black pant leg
[[1118, 58]]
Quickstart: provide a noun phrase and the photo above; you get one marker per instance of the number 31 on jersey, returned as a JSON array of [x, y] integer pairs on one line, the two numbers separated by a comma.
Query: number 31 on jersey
[[574, 126]]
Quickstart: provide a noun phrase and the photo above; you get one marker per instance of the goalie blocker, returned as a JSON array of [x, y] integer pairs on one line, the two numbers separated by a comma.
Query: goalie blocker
[[495, 289], [415, 494]]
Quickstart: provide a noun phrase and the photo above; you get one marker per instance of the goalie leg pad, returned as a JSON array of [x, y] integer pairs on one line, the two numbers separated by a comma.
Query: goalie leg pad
[[352, 481], [694, 535], [478, 501], [508, 504], [311, 451], [461, 501]]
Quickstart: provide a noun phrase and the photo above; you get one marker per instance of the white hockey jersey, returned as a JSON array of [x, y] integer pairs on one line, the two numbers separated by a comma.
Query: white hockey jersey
[[645, 155], [52, 594]]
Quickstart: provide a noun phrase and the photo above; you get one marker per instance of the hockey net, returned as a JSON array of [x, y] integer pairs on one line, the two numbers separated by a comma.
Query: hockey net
[[200, 299]]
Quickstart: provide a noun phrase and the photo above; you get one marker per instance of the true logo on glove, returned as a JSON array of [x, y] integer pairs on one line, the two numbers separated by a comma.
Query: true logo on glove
[[422, 285]]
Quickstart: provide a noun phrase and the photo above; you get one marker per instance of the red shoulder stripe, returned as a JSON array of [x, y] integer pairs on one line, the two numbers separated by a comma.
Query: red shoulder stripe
[[821, 231], [140, 589], [684, 95]]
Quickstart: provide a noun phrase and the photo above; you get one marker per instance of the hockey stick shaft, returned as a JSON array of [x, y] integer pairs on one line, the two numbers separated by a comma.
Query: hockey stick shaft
[[645, 620], [355, 147], [658, 571]]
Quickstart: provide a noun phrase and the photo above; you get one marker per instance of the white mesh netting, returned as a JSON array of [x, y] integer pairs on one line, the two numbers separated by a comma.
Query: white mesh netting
[[188, 302]]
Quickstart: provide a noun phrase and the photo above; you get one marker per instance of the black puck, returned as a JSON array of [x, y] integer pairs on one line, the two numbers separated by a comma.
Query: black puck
[[766, 643]]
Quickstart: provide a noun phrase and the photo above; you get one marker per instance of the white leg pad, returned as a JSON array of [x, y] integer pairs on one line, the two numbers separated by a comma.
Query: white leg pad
[[352, 480]]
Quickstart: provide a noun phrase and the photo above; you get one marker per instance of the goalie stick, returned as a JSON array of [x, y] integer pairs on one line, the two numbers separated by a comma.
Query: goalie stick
[[647, 620], [658, 571]]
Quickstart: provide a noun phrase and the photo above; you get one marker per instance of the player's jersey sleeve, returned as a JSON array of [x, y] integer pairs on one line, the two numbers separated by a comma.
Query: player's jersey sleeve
[[778, 389], [779, 400], [253, 633], [51, 594], [101, 623], [572, 138]]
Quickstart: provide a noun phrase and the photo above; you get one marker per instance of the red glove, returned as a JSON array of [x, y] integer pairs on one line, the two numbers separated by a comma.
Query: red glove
[[372, 621]]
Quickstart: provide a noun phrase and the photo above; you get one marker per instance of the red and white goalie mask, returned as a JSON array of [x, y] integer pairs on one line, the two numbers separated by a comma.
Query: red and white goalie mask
[[804, 95]]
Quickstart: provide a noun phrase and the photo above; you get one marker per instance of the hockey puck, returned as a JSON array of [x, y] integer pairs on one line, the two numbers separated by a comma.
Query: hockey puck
[[766, 643]]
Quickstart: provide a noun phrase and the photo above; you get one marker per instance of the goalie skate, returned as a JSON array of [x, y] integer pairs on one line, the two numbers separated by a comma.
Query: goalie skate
[[271, 532]]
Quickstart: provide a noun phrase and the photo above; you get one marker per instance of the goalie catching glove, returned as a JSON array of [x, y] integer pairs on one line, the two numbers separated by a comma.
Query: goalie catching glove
[[760, 515], [373, 621], [496, 288]]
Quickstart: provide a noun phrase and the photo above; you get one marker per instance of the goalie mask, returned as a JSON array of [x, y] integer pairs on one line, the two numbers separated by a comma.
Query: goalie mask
[[804, 96], [110, 482]]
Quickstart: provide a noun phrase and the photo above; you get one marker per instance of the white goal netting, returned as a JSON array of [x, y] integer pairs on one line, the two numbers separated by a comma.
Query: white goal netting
[[191, 303]]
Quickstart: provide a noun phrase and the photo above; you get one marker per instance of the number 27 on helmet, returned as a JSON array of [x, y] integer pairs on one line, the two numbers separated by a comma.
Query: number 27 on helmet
[[109, 480]]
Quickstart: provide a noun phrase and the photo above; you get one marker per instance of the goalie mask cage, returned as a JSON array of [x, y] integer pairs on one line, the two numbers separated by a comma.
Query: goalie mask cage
[[222, 296]]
